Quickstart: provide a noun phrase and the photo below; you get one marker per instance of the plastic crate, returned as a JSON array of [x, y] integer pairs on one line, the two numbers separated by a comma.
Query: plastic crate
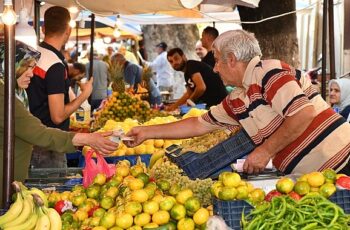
[[204, 165], [49, 186], [342, 198], [231, 211], [145, 158], [45, 173], [184, 109]]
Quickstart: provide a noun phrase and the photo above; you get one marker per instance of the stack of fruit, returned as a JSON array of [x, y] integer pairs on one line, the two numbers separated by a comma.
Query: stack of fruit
[[230, 187], [147, 147], [30, 211], [319, 182], [130, 200], [194, 112], [120, 106]]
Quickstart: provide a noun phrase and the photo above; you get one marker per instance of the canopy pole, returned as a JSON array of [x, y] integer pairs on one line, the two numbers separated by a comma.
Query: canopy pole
[[331, 39], [9, 99], [76, 41], [324, 50], [92, 36], [37, 20]]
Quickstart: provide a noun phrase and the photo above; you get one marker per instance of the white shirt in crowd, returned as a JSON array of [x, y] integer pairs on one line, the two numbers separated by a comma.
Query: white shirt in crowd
[[163, 69]]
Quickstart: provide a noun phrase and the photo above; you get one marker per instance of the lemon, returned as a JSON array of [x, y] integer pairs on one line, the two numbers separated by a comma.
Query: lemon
[[330, 175], [183, 195], [178, 212], [302, 188], [130, 151], [192, 204], [158, 143], [133, 208], [158, 198], [167, 203], [135, 184], [201, 216], [151, 225], [139, 195], [150, 149], [150, 207], [185, 224], [124, 220], [99, 228], [161, 217], [142, 219], [149, 142], [140, 149], [315, 179]]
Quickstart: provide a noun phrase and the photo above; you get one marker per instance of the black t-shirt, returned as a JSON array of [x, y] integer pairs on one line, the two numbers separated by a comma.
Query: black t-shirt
[[209, 59], [215, 90], [50, 77]]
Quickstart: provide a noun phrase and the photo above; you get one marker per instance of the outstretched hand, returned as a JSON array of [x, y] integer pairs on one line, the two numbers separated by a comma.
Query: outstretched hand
[[256, 161], [100, 143], [138, 134]]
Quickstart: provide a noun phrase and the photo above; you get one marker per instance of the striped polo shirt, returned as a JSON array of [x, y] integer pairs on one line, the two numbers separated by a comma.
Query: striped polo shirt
[[272, 91]]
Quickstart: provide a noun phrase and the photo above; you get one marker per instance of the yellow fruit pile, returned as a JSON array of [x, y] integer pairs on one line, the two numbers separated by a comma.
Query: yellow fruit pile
[[132, 200], [194, 112], [123, 105], [321, 182], [230, 186]]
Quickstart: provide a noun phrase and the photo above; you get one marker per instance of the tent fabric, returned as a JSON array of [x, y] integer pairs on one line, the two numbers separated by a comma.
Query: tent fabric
[[113, 7]]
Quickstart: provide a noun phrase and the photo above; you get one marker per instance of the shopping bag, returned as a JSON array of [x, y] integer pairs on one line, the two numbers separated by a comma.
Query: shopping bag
[[92, 168]]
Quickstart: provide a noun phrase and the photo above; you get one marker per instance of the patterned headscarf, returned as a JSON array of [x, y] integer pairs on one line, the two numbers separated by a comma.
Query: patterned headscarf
[[25, 55]]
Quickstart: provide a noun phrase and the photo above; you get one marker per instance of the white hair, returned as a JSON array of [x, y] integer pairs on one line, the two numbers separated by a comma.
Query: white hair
[[241, 43]]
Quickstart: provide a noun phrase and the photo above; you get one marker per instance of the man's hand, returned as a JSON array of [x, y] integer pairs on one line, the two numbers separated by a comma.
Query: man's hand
[[86, 88], [256, 161], [170, 107], [139, 134], [100, 143]]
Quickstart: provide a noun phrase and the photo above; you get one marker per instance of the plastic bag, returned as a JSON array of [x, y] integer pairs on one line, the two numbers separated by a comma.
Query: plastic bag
[[92, 168]]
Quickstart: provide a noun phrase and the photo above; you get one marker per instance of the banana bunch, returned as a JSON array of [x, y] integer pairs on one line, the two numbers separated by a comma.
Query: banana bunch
[[30, 212]]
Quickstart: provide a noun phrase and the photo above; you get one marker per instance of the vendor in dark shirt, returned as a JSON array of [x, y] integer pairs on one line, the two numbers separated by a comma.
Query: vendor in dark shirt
[[203, 85], [209, 34]]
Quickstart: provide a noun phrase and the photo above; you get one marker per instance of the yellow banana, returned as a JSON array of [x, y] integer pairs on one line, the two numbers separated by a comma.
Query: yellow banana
[[13, 212], [29, 224], [43, 222], [55, 218], [158, 162], [154, 158], [28, 207], [41, 194]]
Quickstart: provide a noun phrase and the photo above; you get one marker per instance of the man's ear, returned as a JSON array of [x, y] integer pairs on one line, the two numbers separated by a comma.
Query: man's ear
[[231, 60]]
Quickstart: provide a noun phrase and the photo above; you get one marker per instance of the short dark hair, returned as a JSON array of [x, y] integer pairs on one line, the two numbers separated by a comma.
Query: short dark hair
[[174, 51], [211, 31], [79, 66], [56, 20]]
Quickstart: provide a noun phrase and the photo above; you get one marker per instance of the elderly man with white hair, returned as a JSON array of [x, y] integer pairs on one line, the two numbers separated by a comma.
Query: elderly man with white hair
[[275, 104]]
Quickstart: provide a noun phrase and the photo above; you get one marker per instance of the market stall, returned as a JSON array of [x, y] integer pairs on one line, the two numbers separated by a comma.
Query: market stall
[[169, 184]]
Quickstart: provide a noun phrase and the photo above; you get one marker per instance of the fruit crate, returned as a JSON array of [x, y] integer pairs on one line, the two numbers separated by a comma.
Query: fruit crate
[[49, 186], [45, 173], [342, 198], [145, 158], [231, 211], [203, 165]]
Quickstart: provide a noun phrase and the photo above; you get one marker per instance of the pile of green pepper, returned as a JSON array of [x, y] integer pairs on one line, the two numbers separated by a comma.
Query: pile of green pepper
[[313, 211]]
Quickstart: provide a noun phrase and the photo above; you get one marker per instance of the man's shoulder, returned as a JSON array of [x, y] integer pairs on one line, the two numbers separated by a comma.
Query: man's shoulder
[[47, 59]]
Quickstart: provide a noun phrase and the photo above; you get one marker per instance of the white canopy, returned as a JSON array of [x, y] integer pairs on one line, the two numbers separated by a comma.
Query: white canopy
[[113, 7]]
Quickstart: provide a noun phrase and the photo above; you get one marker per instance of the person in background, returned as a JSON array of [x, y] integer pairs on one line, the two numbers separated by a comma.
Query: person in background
[[209, 34], [129, 56], [108, 56], [76, 72], [164, 72], [48, 92], [203, 86], [275, 104], [200, 50], [29, 130], [100, 85], [339, 96], [132, 72]]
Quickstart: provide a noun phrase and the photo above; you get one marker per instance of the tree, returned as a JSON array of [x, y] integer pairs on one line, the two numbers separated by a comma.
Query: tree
[[277, 37], [182, 36]]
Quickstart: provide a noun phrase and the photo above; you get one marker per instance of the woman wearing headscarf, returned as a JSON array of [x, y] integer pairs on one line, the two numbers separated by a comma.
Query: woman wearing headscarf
[[29, 130], [339, 96]]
